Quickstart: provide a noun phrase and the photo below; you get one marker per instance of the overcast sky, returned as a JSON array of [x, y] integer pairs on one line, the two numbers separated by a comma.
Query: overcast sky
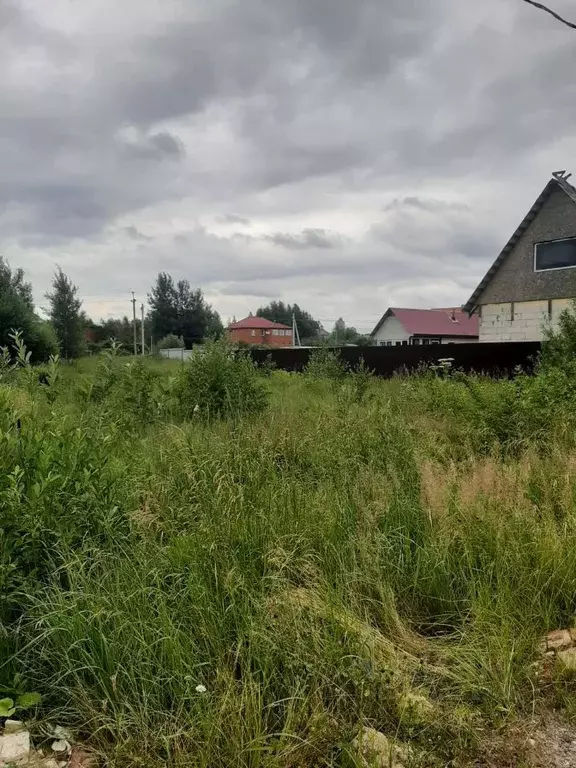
[[345, 155]]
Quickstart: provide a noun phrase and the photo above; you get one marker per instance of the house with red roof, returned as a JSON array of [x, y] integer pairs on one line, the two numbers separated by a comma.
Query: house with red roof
[[260, 331], [425, 326]]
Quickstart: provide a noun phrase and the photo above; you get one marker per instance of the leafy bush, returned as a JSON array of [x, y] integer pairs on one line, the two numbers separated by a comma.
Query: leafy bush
[[219, 382], [559, 344], [171, 341], [325, 364], [128, 390]]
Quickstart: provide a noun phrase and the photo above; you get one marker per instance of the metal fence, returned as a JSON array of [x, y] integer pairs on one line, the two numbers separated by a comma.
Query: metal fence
[[493, 359]]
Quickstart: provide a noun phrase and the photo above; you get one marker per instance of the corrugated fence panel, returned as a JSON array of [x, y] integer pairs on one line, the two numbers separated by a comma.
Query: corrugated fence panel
[[495, 359]]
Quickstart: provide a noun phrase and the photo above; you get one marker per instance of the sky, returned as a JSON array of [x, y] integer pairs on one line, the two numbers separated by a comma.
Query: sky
[[347, 156]]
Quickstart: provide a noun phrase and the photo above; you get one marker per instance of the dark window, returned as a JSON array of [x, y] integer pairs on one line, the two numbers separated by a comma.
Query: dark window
[[425, 341], [557, 255], [398, 343]]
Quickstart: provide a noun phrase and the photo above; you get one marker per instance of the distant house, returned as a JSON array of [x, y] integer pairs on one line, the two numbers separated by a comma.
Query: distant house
[[534, 277], [425, 326], [259, 330]]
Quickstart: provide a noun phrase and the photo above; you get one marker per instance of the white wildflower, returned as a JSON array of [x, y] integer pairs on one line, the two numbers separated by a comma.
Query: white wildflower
[[201, 688]]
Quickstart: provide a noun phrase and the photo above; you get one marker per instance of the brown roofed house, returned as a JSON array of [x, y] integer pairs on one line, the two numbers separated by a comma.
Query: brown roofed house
[[259, 330]]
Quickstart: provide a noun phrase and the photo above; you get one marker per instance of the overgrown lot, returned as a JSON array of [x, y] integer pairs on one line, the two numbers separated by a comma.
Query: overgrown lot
[[213, 566]]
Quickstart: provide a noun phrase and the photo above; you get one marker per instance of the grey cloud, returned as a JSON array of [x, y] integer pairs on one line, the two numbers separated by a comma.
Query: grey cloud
[[148, 117], [308, 238], [428, 204], [232, 218], [135, 234]]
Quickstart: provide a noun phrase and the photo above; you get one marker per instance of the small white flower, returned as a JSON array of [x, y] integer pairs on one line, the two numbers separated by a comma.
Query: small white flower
[[196, 408], [201, 688]]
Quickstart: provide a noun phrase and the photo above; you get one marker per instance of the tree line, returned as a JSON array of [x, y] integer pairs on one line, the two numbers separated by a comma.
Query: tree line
[[178, 316]]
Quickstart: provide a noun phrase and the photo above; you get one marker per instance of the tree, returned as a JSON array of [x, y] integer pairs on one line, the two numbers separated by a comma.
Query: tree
[[279, 312], [343, 334], [163, 300], [66, 315], [13, 281], [121, 329], [179, 310], [171, 342], [17, 314]]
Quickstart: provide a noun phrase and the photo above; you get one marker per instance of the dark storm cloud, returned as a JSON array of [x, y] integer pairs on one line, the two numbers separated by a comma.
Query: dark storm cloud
[[132, 118]]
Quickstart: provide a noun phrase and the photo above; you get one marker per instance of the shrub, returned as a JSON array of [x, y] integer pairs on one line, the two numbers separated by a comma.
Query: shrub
[[219, 382], [324, 364], [171, 341], [559, 345]]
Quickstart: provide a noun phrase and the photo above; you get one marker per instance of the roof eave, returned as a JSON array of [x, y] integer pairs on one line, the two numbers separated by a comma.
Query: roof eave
[[472, 302], [380, 322]]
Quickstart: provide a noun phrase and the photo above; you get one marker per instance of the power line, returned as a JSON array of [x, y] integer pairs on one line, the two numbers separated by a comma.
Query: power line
[[552, 13]]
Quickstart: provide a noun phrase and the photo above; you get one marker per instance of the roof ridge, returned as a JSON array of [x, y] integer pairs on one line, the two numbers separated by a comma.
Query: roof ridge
[[555, 182]]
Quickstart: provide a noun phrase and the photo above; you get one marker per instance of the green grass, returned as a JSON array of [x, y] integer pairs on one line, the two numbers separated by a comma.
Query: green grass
[[316, 566]]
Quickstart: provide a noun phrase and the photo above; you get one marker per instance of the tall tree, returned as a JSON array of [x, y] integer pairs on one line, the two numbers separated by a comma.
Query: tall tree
[[13, 280], [343, 334], [178, 309], [278, 312], [66, 315], [163, 300], [17, 314]]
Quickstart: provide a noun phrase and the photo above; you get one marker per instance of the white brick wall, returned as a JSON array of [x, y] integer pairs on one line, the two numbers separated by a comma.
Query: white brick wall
[[496, 323]]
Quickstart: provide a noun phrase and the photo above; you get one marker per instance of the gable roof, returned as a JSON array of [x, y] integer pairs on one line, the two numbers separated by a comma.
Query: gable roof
[[556, 183], [256, 322], [433, 322]]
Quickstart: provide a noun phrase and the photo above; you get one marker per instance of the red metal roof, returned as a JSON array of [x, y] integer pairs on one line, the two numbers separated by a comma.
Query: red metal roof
[[256, 322], [434, 322]]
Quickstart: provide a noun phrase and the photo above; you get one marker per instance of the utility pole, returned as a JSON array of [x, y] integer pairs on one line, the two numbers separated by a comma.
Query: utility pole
[[134, 319], [295, 334], [143, 343]]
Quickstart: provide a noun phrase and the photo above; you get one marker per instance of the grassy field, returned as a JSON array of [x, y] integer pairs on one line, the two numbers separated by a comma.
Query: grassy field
[[209, 566]]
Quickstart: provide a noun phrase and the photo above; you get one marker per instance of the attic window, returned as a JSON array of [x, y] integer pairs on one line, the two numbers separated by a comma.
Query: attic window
[[558, 254]]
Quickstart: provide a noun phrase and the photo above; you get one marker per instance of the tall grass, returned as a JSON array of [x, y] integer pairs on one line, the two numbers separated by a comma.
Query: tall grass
[[360, 552]]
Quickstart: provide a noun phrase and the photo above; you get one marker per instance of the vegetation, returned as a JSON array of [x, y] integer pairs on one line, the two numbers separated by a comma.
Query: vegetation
[[171, 341], [278, 312], [66, 316], [204, 565], [17, 314], [343, 334], [178, 310]]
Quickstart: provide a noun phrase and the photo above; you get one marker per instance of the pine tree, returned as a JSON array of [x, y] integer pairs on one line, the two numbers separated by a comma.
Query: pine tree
[[66, 315], [178, 309], [163, 303]]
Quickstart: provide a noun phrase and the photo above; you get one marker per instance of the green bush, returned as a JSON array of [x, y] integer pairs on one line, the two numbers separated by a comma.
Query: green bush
[[219, 382], [325, 364], [559, 344], [171, 341]]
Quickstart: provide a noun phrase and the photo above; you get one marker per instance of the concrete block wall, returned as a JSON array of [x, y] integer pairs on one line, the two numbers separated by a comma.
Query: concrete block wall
[[523, 321]]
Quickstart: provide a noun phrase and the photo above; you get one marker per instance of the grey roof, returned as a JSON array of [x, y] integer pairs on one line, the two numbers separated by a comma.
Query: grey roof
[[553, 184]]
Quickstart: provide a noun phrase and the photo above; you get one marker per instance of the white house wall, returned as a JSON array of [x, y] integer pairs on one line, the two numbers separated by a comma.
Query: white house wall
[[391, 330], [523, 321]]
